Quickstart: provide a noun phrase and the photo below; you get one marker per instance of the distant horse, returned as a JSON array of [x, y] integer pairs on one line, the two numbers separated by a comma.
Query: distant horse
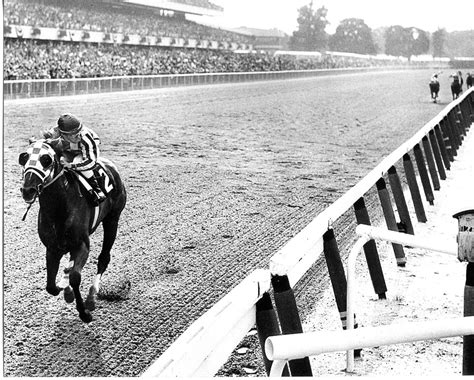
[[67, 217], [456, 86], [434, 90]]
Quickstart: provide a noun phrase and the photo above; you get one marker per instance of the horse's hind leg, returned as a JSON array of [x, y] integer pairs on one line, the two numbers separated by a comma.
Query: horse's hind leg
[[110, 225]]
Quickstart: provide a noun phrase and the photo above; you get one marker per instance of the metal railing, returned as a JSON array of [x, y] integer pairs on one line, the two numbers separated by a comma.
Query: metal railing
[[35, 88]]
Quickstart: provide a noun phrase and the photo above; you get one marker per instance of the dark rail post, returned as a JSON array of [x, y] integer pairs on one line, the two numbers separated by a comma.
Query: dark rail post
[[448, 141], [437, 155], [425, 181], [468, 340], [454, 128], [442, 147], [465, 119], [289, 320], [390, 220], [370, 249], [452, 136], [461, 120], [414, 189], [338, 278], [431, 163], [267, 325], [465, 241], [400, 201]]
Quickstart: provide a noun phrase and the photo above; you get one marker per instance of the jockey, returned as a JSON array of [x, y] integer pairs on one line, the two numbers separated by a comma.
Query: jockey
[[80, 147], [434, 78]]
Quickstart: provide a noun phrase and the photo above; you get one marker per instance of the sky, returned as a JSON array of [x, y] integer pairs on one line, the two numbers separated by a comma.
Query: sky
[[452, 15]]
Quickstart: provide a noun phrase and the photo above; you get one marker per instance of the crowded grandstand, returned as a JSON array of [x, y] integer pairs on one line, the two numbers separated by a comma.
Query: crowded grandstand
[[53, 39]]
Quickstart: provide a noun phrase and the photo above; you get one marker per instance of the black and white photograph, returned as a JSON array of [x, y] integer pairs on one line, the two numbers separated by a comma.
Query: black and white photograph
[[238, 188]]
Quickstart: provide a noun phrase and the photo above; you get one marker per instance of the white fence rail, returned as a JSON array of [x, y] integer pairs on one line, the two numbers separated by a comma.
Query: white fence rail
[[282, 348], [35, 88], [211, 339]]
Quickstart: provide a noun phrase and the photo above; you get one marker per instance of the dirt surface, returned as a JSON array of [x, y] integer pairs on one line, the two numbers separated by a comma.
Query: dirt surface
[[218, 178]]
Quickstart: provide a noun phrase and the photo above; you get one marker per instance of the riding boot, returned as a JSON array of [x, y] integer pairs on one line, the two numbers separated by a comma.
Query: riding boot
[[97, 192]]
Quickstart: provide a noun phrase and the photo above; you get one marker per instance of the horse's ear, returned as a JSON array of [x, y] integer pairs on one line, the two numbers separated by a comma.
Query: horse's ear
[[45, 160], [23, 158]]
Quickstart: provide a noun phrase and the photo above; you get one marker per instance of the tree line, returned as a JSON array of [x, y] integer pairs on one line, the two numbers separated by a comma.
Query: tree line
[[354, 36]]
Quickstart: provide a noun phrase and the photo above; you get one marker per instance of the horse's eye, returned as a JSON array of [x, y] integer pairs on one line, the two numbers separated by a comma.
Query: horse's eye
[[45, 160], [23, 158]]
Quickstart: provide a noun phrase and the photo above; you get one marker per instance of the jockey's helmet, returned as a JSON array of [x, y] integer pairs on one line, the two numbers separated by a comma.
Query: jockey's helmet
[[69, 124]]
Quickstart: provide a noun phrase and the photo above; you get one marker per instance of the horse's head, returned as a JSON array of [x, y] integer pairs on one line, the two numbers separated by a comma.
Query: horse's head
[[38, 162]]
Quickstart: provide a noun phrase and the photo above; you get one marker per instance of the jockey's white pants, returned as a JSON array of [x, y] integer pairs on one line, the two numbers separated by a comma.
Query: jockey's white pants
[[86, 173]]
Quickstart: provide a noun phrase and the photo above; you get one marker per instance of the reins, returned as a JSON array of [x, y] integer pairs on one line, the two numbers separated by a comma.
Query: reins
[[40, 189]]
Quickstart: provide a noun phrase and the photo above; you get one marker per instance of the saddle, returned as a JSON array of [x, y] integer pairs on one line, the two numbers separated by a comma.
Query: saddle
[[103, 179]]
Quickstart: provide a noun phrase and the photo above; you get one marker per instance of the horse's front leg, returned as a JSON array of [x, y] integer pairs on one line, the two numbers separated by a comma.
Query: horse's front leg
[[79, 256], [52, 265]]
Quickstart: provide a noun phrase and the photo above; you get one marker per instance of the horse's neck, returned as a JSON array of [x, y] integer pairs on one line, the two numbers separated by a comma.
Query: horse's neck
[[53, 200]]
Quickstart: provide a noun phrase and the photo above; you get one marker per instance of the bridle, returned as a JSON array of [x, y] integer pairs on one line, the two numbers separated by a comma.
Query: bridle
[[34, 166]]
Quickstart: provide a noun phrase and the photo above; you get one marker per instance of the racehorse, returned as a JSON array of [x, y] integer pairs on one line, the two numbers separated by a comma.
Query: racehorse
[[67, 218], [456, 86], [434, 89]]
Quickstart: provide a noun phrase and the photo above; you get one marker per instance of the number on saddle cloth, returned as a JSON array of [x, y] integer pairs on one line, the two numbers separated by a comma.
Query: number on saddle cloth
[[103, 179]]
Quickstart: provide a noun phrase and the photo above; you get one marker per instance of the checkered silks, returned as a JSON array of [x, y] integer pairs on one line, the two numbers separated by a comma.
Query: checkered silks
[[35, 151]]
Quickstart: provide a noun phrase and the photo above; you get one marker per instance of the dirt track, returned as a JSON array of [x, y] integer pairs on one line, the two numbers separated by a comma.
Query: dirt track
[[218, 178]]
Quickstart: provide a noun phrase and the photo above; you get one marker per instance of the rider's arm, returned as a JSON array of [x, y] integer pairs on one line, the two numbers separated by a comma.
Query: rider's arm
[[90, 152], [52, 133]]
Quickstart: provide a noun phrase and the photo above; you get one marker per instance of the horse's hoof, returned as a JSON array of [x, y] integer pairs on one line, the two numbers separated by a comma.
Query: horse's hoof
[[86, 316], [68, 294], [53, 290], [90, 300]]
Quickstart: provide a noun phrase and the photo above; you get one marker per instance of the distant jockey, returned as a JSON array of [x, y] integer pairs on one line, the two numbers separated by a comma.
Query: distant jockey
[[80, 148]]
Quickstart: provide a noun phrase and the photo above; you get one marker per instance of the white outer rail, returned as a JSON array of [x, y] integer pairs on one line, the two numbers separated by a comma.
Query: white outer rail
[[202, 349], [368, 233], [282, 348]]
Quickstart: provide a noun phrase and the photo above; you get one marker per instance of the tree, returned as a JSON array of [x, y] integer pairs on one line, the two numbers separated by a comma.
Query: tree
[[397, 41], [311, 34], [420, 43], [437, 40], [353, 36], [406, 42]]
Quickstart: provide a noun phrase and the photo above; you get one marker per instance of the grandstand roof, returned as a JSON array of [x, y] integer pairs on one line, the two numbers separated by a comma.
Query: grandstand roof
[[198, 7], [259, 32]]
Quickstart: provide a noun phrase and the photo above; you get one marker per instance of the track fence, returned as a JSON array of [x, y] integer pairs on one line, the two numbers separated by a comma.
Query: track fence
[[38, 88], [206, 345]]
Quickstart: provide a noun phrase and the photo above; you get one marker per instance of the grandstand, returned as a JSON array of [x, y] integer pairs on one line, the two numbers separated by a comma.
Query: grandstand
[[55, 39]]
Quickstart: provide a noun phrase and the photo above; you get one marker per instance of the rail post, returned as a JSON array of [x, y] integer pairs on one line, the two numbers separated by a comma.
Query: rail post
[[448, 140], [431, 163], [453, 126], [390, 219], [400, 201], [465, 240], [442, 146], [414, 189], [437, 154], [267, 325], [289, 320], [338, 278], [462, 118], [370, 250], [425, 181]]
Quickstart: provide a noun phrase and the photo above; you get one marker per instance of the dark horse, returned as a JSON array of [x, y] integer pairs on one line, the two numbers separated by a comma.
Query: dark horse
[[67, 217], [456, 86]]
